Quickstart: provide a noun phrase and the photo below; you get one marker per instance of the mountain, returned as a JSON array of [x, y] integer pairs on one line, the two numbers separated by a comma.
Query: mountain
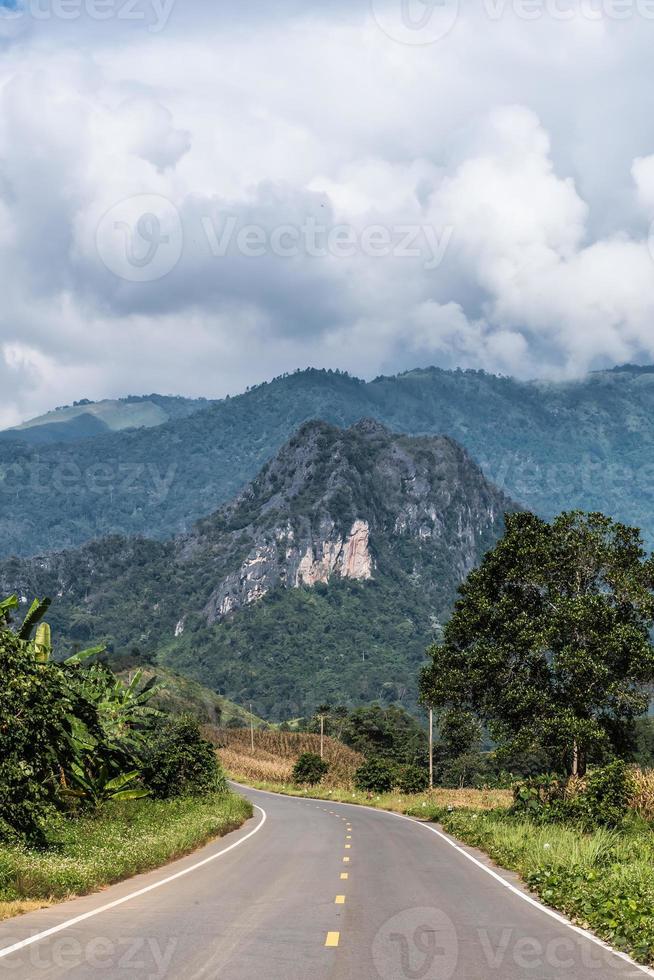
[[325, 578], [86, 419], [584, 444]]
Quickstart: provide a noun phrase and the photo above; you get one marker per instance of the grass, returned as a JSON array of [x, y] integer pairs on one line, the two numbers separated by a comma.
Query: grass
[[8, 910], [602, 880], [124, 839], [425, 806]]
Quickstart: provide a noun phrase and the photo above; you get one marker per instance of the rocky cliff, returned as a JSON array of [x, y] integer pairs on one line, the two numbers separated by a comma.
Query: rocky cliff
[[371, 530]]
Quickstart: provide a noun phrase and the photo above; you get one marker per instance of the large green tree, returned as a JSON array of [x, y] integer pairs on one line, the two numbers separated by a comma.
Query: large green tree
[[549, 643]]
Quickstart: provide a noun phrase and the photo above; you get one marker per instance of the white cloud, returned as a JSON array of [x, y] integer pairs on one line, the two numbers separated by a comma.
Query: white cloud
[[524, 149]]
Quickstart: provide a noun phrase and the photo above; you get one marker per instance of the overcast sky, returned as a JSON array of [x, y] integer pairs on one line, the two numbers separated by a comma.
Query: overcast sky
[[195, 197]]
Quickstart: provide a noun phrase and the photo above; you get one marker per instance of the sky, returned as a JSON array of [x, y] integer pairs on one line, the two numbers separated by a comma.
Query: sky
[[195, 196]]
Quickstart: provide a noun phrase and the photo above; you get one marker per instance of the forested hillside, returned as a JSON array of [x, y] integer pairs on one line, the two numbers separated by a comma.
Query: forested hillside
[[584, 444], [325, 578]]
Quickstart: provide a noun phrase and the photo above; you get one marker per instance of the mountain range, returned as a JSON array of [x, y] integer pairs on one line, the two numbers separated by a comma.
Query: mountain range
[[324, 579], [550, 446]]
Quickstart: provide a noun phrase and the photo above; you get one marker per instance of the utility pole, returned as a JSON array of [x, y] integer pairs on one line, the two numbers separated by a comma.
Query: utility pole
[[251, 729], [322, 736], [431, 748]]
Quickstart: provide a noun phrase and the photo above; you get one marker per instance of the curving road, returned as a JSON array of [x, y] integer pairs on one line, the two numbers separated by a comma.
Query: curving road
[[310, 891]]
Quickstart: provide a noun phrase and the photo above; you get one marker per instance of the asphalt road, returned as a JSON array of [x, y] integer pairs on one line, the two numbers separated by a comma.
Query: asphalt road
[[309, 891]]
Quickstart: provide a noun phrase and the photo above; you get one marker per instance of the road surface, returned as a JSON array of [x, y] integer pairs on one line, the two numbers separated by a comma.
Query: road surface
[[309, 891]]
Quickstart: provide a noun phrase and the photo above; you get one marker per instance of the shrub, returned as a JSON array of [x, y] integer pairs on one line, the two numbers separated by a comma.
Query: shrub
[[413, 779], [603, 800], [179, 762], [375, 775], [34, 727], [538, 796], [608, 794], [310, 769]]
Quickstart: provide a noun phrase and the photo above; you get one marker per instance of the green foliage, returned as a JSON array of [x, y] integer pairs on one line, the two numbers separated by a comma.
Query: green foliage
[[607, 795], [549, 643], [66, 730], [180, 762], [459, 733], [539, 797], [375, 776], [310, 769], [98, 788], [35, 733], [644, 738], [412, 779], [389, 733], [602, 802], [294, 648]]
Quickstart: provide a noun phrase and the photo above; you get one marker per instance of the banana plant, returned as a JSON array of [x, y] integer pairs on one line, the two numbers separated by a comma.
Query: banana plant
[[6, 608], [100, 788], [43, 643], [35, 614]]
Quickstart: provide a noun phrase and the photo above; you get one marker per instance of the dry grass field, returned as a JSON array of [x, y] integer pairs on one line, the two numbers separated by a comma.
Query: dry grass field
[[275, 754], [271, 767]]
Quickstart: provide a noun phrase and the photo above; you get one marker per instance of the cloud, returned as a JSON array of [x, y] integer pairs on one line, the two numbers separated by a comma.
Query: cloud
[[199, 204]]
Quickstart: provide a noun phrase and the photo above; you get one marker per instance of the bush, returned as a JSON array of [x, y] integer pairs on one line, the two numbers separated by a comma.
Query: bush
[[539, 797], [608, 794], [602, 801], [375, 775], [310, 769], [180, 762], [34, 737], [413, 779]]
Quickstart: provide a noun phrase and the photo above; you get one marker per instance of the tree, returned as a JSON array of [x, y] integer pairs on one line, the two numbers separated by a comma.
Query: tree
[[35, 733], [310, 769], [412, 779], [180, 762], [375, 776], [549, 643], [389, 733], [66, 729]]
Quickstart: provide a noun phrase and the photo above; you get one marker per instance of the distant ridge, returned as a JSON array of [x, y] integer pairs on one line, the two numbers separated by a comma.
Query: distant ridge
[[551, 446], [86, 419]]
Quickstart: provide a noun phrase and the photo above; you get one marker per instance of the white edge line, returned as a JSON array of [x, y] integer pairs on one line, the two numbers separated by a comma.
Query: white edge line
[[39, 936], [489, 871]]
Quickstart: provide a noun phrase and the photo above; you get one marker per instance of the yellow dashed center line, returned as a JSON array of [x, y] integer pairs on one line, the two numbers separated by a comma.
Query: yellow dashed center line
[[344, 876], [346, 860], [347, 847], [340, 900], [333, 939]]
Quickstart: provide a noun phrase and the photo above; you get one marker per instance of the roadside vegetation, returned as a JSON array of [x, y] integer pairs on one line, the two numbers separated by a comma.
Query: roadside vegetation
[[270, 767], [96, 784], [123, 839], [587, 851]]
